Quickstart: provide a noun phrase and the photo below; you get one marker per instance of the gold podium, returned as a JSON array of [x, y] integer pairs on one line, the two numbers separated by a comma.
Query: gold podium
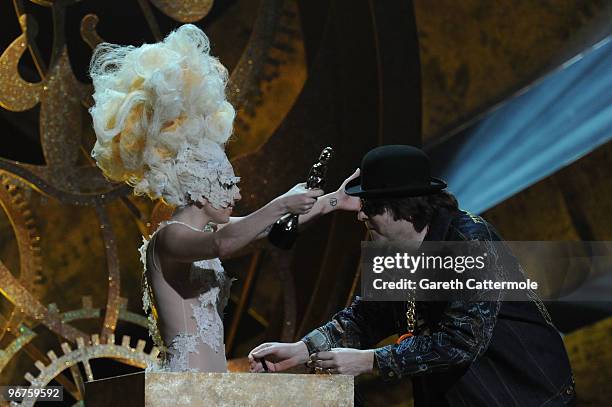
[[182, 389]]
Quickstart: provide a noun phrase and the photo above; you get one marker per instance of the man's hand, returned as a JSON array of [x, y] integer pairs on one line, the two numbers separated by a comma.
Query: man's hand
[[278, 356], [345, 361], [340, 200]]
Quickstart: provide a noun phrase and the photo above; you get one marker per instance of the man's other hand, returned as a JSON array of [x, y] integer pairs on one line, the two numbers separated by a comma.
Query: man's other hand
[[345, 361]]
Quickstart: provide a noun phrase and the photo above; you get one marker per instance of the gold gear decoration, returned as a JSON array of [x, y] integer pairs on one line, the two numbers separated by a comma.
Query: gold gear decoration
[[20, 216], [136, 356], [84, 352]]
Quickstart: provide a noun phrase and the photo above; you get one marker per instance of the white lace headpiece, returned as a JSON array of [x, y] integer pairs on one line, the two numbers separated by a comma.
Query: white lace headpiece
[[162, 119]]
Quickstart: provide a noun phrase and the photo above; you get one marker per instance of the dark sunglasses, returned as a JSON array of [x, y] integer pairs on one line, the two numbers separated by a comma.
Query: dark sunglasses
[[366, 207]]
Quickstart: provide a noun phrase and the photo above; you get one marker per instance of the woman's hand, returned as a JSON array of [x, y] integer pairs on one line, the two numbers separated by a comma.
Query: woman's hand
[[277, 356], [340, 200], [302, 201], [298, 199]]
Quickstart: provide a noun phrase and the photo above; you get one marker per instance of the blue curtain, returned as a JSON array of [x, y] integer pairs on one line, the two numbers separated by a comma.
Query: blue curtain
[[554, 122]]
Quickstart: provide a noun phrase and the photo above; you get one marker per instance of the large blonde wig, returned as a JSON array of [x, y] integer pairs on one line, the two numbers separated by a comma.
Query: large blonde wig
[[161, 118]]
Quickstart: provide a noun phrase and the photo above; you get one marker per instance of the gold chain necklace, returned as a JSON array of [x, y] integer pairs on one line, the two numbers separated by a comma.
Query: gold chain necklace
[[410, 320]]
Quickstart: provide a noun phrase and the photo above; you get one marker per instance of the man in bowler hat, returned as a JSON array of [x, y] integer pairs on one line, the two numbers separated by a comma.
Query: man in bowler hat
[[457, 353]]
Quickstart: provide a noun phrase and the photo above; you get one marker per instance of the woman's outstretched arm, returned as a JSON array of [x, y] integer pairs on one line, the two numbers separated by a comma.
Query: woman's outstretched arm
[[337, 200], [184, 245]]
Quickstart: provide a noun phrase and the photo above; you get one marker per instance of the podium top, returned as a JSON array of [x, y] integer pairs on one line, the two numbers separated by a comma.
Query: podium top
[[231, 389]]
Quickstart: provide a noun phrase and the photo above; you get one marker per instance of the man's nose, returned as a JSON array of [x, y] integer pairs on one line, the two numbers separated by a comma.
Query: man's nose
[[361, 216]]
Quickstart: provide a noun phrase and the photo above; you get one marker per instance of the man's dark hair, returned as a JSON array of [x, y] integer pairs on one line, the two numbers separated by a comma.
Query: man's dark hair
[[419, 210]]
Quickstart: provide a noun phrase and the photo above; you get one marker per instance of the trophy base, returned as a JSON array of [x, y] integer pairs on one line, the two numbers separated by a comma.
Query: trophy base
[[281, 236]]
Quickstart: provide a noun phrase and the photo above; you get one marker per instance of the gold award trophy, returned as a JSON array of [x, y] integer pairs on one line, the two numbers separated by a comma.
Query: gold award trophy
[[284, 232]]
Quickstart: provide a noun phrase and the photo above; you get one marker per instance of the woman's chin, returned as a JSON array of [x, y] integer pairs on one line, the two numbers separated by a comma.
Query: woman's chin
[[226, 218]]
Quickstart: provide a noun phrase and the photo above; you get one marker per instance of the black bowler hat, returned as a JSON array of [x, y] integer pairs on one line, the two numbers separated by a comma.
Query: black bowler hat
[[394, 171]]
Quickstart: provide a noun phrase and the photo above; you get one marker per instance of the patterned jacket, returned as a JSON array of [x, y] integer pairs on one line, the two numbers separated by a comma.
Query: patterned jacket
[[487, 353]]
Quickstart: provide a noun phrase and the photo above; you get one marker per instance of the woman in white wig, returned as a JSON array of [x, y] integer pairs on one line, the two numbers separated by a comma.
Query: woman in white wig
[[161, 119]]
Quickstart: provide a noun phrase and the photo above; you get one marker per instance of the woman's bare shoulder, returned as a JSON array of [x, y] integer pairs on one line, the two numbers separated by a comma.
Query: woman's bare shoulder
[[183, 243]]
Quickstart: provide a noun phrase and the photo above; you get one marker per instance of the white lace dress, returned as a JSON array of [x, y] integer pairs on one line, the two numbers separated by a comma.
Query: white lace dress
[[185, 313]]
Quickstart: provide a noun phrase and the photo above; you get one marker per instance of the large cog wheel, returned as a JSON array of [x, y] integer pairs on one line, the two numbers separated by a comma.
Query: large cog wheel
[[27, 236], [122, 352], [84, 352]]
